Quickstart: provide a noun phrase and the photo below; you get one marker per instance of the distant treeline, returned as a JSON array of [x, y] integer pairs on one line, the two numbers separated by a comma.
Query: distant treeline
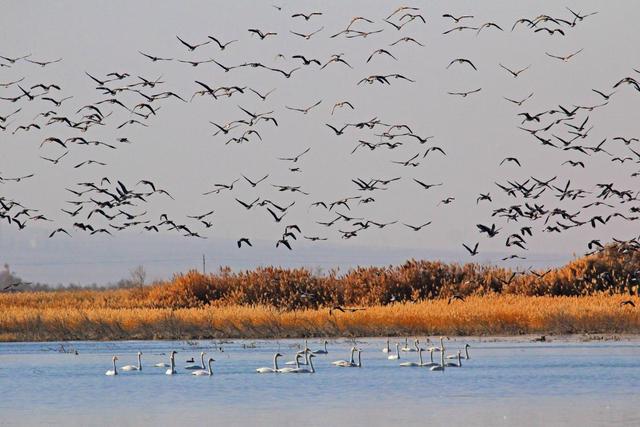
[[614, 270]]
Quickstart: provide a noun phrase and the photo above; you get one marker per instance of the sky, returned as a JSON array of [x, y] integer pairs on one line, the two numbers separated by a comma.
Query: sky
[[176, 150]]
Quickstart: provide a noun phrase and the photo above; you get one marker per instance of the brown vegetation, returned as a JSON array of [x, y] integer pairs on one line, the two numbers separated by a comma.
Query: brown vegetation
[[583, 296]]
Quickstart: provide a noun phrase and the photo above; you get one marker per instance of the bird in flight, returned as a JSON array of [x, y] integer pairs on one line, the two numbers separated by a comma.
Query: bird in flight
[[465, 94], [514, 73], [474, 251], [564, 58], [462, 61]]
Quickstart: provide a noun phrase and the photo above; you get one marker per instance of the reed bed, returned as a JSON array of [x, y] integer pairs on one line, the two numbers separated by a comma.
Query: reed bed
[[477, 315], [583, 296]]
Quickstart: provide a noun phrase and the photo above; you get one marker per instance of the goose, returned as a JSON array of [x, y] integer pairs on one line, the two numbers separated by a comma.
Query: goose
[[172, 364], [456, 365], [322, 351], [203, 372], [114, 371], [197, 367], [309, 370], [406, 345], [270, 370], [466, 351], [386, 349], [412, 364], [431, 363], [133, 367], [397, 355], [441, 366], [344, 363]]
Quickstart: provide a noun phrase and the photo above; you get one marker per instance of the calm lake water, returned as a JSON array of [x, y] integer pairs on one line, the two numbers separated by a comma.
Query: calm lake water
[[504, 383]]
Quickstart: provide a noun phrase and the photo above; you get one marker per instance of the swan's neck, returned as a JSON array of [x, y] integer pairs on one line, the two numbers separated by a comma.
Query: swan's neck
[[442, 359], [202, 360], [275, 362], [351, 360], [115, 370], [210, 370], [398, 351], [297, 361], [388, 346], [431, 355], [359, 359], [325, 347], [466, 352], [306, 355], [313, 370], [420, 355], [139, 362]]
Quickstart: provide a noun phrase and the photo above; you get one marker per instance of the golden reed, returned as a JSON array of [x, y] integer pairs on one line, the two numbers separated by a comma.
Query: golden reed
[[583, 296]]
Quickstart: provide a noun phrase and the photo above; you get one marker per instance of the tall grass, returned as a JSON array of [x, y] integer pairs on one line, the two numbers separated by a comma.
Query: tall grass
[[582, 296]]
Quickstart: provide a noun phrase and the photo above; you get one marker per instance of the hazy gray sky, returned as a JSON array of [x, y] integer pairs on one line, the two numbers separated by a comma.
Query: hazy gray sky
[[178, 152]]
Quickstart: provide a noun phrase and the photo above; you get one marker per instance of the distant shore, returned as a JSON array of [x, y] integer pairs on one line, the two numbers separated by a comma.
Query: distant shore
[[39, 318]]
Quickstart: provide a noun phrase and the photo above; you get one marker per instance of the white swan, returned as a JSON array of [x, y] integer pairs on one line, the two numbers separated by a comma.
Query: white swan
[[431, 363], [297, 360], [344, 363], [197, 367], [412, 364], [437, 349], [321, 351], [289, 369], [406, 347], [466, 351], [310, 370], [270, 370], [203, 372], [134, 367], [387, 349], [397, 355], [114, 371], [456, 365], [439, 367], [172, 364]]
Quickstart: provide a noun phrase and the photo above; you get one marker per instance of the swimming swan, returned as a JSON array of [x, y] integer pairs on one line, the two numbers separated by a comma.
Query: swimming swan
[[466, 351], [114, 371], [430, 364], [456, 365], [172, 364], [397, 355], [406, 347], [133, 367], [270, 370], [203, 372], [439, 367], [412, 364], [344, 363], [322, 351], [310, 370], [387, 349]]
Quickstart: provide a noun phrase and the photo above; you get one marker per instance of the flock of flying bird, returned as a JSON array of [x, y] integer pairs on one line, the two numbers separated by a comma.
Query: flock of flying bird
[[303, 362], [127, 99]]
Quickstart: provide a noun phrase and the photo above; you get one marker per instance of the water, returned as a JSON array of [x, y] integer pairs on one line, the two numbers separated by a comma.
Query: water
[[504, 383]]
